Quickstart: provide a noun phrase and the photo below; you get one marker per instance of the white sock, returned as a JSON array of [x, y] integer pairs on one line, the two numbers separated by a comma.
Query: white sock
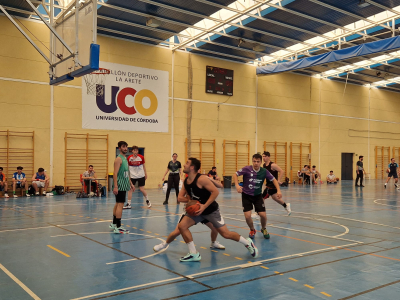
[[192, 248], [243, 241], [129, 201], [385, 183], [147, 197]]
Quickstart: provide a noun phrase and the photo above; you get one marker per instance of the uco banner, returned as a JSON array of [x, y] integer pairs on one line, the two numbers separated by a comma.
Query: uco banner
[[134, 99]]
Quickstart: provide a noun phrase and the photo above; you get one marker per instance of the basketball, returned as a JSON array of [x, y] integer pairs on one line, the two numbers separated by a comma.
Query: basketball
[[387, 170], [192, 206]]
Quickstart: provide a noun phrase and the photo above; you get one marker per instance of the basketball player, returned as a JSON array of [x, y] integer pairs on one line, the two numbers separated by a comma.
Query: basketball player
[[198, 187], [174, 169], [122, 184], [392, 170], [137, 171], [270, 189], [253, 178], [174, 234]]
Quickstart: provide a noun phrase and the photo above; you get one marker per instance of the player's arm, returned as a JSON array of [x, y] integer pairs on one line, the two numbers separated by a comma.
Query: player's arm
[[236, 180], [46, 177], [166, 172], [275, 167], [34, 177], [216, 182], [117, 165], [183, 196], [145, 172], [209, 186]]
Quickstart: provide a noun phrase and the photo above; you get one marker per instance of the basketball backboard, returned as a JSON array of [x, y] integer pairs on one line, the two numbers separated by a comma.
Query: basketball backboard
[[76, 28]]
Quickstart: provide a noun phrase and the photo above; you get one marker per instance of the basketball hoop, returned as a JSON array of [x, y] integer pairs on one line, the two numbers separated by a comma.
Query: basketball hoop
[[95, 81]]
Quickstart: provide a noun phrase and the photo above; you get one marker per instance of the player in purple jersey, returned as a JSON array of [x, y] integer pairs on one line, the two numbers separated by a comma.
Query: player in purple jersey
[[253, 178]]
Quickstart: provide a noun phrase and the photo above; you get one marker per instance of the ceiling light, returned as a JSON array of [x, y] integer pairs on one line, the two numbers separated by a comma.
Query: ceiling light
[[363, 3], [259, 48], [151, 22]]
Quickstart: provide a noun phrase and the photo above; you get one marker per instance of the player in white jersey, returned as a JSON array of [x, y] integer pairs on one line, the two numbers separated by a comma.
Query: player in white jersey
[[137, 171]]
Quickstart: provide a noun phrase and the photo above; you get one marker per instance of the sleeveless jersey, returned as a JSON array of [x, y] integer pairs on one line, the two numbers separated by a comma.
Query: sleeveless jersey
[[201, 195], [1, 176], [273, 172], [42, 177], [123, 175]]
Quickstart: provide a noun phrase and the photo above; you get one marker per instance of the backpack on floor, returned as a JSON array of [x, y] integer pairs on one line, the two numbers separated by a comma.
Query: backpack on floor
[[102, 190], [82, 195], [31, 190], [59, 189]]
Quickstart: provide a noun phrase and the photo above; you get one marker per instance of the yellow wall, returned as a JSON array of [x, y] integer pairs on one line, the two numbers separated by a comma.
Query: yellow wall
[[26, 106]]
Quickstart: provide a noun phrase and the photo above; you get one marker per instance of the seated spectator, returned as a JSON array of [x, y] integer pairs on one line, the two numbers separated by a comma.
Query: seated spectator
[[213, 173], [305, 173], [331, 178], [19, 181], [3, 182], [40, 180], [88, 175], [315, 174]]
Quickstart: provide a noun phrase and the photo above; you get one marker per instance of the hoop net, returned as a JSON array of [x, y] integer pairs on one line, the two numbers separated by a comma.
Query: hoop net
[[95, 82]]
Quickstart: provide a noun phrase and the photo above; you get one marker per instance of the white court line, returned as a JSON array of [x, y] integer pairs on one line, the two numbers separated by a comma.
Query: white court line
[[25, 288], [121, 261], [129, 288], [344, 233], [25, 228], [192, 276], [307, 232], [385, 204], [360, 221]]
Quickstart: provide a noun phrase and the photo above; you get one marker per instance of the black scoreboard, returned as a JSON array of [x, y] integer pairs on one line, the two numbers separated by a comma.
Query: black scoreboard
[[219, 81]]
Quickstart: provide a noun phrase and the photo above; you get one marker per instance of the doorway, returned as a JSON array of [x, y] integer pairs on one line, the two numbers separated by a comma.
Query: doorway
[[347, 166]]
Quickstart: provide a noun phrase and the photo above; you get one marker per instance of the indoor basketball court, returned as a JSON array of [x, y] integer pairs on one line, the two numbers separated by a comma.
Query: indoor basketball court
[[124, 123]]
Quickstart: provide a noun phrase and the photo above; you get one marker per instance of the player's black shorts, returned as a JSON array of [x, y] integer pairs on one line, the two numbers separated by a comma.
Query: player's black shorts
[[20, 185], [141, 181], [249, 201], [271, 191], [120, 197], [394, 175]]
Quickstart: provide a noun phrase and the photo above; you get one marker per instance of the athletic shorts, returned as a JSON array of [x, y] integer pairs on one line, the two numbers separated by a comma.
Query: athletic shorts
[[202, 222], [39, 184], [120, 197], [394, 175], [271, 191], [141, 181], [249, 201], [20, 185], [214, 218]]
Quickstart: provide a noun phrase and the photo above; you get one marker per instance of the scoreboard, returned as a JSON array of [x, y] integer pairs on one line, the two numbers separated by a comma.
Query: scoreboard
[[219, 81]]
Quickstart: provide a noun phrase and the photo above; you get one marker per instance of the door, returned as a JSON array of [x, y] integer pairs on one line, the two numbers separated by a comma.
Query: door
[[347, 166]]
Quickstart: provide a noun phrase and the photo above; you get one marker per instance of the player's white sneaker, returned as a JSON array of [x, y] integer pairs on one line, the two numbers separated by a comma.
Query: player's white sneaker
[[148, 203], [127, 206], [217, 245], [255, 216], [15, 196], [6, 195], [289, 211], [160, 247]]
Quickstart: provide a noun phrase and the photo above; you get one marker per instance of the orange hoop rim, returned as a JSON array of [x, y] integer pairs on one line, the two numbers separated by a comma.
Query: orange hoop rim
[[101, 71]]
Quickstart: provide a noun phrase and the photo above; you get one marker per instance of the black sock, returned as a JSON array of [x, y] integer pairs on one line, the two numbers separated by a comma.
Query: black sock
[[114, 219], [284, 204], [118, 222]]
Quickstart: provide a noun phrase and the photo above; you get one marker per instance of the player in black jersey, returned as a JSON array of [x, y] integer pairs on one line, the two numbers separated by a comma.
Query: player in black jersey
[[392, 172], [174, 234], [174, 169], [200, 188], [270, 189]]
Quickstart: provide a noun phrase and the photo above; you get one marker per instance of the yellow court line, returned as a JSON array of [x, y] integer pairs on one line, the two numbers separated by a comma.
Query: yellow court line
[[214, 251], [326, 294], [134, 227], [309, 286], [182, 242], [95, 218], [149, 231], [141, 229], [203, 247], [128, 226], [226, 254], [59, 251], [295, 280], [239, 258], [265, 267], [88, 217], [101, 219], [156, 234]]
